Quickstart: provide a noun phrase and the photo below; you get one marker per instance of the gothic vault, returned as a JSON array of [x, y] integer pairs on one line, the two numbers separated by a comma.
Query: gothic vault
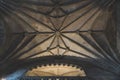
[[77, 35]]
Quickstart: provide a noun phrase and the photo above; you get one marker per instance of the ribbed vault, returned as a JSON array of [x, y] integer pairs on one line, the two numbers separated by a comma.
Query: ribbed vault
[[56, 70], [43, 28]]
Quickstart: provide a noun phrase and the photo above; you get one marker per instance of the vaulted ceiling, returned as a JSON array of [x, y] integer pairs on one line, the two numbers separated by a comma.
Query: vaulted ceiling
[[84, 29]]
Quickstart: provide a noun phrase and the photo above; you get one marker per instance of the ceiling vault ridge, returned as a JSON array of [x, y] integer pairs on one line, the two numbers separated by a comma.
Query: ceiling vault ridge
[[82, 29]]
